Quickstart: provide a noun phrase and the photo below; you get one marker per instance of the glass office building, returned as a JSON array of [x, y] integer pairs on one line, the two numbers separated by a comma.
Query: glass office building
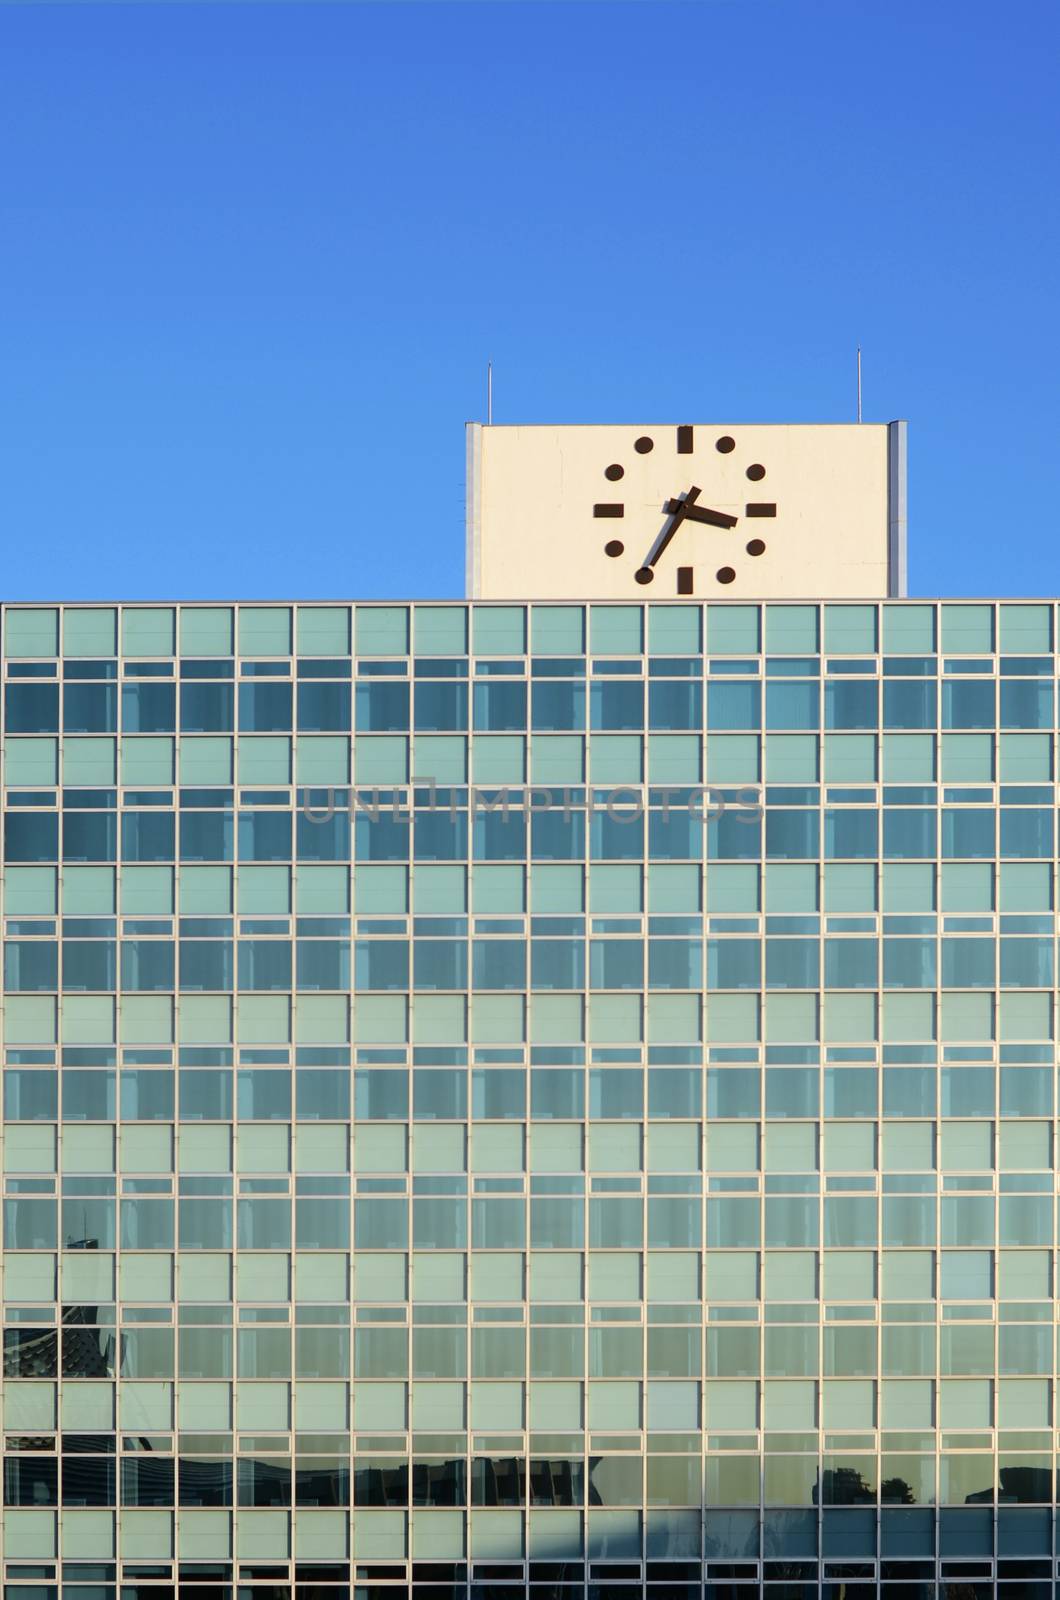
[[553, 1099]]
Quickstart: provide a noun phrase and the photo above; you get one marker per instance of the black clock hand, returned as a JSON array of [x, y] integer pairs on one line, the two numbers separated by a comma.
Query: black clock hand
[[716, 519], [678, 509]]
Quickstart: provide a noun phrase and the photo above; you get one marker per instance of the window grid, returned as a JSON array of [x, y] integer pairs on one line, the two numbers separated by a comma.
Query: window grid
[[812, 1119]]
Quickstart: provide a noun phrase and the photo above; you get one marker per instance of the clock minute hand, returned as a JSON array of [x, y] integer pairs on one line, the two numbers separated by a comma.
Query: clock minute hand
[[678, 510], [716, 519]]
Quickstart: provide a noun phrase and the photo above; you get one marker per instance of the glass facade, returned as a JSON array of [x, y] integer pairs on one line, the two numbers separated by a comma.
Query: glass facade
[[545, 1098]]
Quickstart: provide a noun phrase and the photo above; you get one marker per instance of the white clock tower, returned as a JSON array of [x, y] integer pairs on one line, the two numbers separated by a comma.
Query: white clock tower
[[712, 510]]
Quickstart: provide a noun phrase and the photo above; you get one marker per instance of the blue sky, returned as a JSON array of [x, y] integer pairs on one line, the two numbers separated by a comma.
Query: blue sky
[[256, 256]]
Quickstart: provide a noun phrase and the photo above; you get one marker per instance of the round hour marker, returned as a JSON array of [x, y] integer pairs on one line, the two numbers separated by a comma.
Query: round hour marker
[[756, 547], [615, 547], [613, 473], [643, 445], [756, 473], [725, 574], [723, 446], [644, 575]]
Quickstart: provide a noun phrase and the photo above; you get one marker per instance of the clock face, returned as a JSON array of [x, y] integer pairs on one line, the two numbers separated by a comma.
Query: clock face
[[713, 512], [708, 533]]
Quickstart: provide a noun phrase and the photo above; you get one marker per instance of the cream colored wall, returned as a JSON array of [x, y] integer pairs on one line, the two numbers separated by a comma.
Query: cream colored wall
[[532, 532]]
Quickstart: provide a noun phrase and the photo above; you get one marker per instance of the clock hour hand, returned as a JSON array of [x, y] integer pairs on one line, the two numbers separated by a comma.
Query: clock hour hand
[[677, 510], [716, 519]]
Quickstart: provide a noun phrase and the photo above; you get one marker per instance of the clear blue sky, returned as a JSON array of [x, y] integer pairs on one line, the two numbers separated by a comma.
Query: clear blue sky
[[255, 257]]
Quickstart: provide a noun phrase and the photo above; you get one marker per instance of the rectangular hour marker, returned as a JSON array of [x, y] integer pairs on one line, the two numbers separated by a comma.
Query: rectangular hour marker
[[684, 580], [609, 508], [684, 444], [761, 508]]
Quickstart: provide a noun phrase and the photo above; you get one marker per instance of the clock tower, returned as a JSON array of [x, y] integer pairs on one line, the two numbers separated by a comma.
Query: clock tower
[[710, 510]]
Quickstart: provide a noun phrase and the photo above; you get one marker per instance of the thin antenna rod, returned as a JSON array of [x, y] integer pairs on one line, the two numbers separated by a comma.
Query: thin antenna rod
[[489, 394], [859, 383]]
